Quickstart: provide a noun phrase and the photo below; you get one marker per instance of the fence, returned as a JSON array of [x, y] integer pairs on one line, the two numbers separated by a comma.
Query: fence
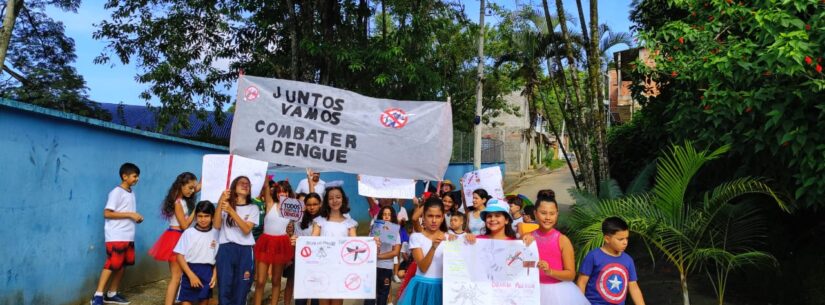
[[492, 150]]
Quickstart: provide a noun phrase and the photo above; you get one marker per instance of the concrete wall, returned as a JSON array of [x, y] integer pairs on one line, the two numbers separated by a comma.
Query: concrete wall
[[57, 171]]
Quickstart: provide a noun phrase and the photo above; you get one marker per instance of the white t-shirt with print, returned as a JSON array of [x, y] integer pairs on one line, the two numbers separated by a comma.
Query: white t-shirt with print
[[198, 247], [233, 234], [436, 270], [120, 201]]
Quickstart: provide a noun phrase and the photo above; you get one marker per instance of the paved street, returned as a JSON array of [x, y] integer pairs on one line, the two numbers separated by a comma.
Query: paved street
[[559, 180]]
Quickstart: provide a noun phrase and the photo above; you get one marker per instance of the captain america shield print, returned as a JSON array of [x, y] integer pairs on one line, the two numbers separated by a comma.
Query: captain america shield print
[[612, 283]]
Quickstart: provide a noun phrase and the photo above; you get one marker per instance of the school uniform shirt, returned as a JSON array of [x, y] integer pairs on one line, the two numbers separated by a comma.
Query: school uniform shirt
[[436, 270], [335, 229], [198, 247], [233, 234], [121, 201], [387, 247], [173, 221], [303, 187], [609, 277]]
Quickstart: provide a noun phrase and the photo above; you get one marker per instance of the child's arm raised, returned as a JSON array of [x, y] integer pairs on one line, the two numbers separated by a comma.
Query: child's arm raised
[[217, 220], [636, 293], [267, 197], [182, 218], [193, 278]]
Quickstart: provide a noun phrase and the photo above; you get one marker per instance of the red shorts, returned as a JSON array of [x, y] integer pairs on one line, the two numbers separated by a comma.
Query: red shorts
[[119, 254]]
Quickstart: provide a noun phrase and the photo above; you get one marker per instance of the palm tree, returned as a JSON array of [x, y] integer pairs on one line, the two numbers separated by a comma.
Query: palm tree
[[709, 233], [610, 39]]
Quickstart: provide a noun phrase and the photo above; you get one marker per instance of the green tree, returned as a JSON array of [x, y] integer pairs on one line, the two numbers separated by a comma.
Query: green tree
[[747, 74], [422, 50], [691, 232], [37, 57]]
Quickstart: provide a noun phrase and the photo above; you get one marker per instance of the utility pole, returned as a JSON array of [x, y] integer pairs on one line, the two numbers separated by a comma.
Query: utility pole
[[479, 90]]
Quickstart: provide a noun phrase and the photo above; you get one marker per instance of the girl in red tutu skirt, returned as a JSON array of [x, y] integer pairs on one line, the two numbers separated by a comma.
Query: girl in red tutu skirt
[[273, 248], [179, 201]]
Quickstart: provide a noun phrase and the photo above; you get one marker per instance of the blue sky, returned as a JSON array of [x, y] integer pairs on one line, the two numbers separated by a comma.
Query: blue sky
[[114, 83]]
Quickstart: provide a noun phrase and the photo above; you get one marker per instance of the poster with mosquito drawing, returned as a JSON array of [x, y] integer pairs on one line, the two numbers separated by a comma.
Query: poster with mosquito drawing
[[335, 267], [491, 272]]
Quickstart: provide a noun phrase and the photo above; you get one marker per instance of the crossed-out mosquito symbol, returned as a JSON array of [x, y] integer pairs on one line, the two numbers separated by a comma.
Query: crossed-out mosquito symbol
[[356, 251]]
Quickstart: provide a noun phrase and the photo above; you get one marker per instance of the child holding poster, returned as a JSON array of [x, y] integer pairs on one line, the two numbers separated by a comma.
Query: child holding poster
[[273, 248], [312, 208], [425, 287], [334, 221], [497, 221], [557, 258], [175, 208], [235, 217], [390, 247]]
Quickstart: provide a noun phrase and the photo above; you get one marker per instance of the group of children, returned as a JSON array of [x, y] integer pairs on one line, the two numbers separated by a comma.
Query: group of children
[[242, 240]]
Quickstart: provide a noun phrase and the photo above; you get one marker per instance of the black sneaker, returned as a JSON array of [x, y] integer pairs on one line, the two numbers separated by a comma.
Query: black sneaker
[[117, 299]]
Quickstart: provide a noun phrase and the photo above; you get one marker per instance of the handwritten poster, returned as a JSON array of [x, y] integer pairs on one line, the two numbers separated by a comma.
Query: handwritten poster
[[216, 169], [489, 179], [335, 267], [382, 187], [387, 232], [291, 208], [491, 272]]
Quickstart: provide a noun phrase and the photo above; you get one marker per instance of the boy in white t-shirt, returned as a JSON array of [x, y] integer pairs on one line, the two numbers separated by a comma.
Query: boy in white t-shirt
[[119, 231], [196, 251]]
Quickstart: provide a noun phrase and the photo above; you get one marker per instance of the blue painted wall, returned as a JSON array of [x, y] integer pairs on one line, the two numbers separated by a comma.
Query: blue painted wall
[[57, 170]]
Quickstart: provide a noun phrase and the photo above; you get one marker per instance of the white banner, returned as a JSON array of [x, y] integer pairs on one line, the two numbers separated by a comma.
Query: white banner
[[335, 267], [215, 171], [489, 179], [491, 272], [383, 187], [309, 125]]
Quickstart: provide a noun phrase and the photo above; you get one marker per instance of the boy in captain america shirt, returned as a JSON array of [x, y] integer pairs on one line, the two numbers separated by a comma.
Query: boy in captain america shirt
[[607, 274]]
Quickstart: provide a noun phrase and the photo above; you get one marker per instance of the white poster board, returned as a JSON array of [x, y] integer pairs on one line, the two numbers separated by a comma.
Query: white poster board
[[382, 187], [215, 170], [489, 179], [335, 267], [491, 272]]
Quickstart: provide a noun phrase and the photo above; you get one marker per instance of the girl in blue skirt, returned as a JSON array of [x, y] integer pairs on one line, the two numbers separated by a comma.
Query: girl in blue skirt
[[425, 287]]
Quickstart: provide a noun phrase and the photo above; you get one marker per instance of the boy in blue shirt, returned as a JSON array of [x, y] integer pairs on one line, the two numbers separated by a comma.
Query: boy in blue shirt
[[607, 273]]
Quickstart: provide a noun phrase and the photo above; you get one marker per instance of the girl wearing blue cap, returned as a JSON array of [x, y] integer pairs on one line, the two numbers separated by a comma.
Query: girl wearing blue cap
[[497, 221], [425, 287]]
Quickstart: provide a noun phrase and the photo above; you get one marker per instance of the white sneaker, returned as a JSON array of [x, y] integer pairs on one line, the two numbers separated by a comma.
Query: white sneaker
[[395, 279]]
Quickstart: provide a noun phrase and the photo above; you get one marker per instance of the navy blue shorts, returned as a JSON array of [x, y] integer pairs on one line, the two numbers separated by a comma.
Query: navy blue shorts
[[196, 294]]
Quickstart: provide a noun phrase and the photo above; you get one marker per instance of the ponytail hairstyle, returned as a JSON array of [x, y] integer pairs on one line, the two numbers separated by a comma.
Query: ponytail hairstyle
[[167, 206], [306, 220], [434, 201], [233, 196]]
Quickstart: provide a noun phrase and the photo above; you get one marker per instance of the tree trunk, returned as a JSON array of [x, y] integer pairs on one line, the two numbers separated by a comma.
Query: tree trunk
[[585, 156], [685, 296], [293, 37], [12, 11], [598, 94]]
